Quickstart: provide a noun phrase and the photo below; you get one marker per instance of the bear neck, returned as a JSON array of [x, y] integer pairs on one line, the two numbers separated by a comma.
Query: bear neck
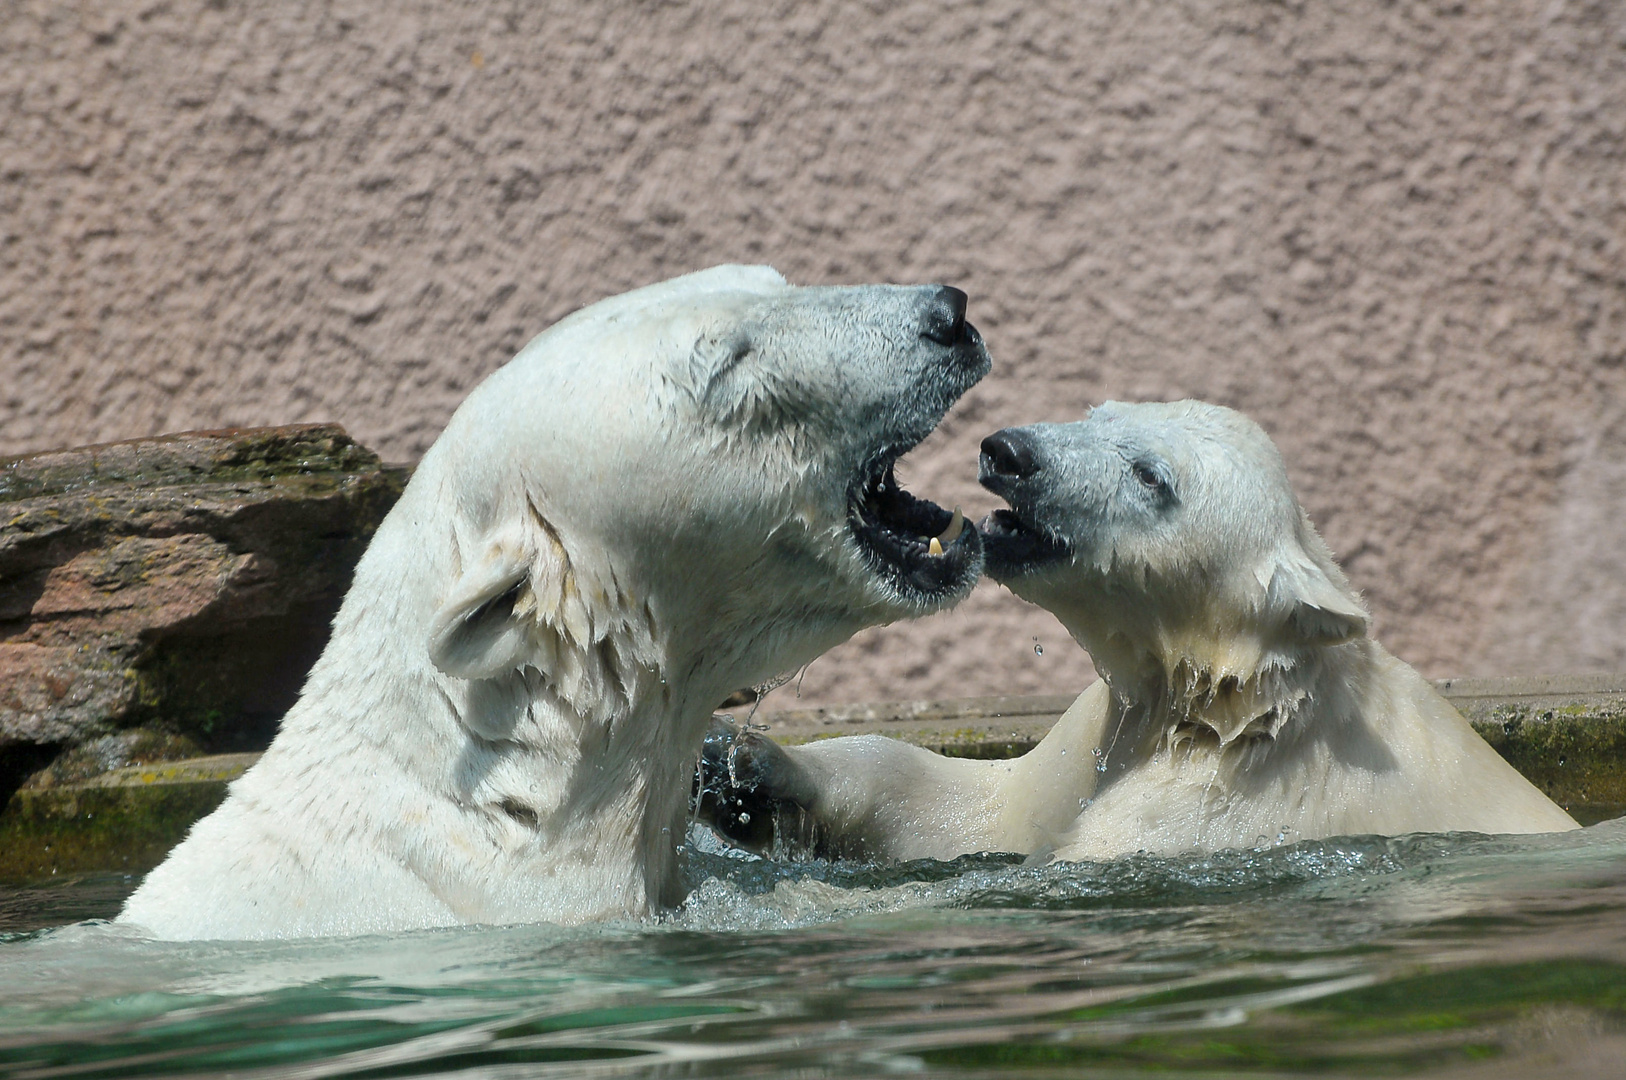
[[1174, 686], [523, 784]]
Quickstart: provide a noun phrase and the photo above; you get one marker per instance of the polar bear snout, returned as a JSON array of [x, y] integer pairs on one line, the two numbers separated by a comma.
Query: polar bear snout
[[943, 326], [944, 319], [1018, 540], [1008, 455], [920, 554]]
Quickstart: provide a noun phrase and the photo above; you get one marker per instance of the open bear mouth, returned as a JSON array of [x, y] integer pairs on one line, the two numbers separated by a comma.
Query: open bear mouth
[[1013, 547], [924, 552]]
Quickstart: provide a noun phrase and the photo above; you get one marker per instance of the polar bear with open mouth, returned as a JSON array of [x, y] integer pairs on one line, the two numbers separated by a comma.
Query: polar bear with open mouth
[[665, 496], [1241, 700]]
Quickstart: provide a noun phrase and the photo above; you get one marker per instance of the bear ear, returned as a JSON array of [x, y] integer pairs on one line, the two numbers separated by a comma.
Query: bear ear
[[721, 376], [477, 634], [719, 355], [1315, 609]]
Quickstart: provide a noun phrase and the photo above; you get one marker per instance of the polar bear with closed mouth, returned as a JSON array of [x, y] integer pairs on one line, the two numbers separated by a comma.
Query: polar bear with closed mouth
[[1241, 699], [665, 496]]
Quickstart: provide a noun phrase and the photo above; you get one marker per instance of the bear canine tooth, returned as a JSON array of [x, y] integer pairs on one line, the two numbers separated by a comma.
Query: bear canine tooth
[[952, 533], [934, 548]]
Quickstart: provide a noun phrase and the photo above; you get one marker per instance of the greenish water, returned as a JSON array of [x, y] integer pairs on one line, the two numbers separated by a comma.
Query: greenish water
[[1439, 955]]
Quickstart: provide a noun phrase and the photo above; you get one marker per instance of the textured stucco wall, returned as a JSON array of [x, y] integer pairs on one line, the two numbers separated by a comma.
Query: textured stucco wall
[[1393, 232]]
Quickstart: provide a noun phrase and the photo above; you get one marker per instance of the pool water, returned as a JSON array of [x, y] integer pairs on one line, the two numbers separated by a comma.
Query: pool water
[[1439, 955]]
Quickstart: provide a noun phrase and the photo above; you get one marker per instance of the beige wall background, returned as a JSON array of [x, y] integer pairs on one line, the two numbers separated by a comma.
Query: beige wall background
[[1392, 232]]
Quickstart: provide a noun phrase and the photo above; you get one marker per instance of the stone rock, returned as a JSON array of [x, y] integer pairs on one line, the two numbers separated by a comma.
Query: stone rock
[[178, 587]]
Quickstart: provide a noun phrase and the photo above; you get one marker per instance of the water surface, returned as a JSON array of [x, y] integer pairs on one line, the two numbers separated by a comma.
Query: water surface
[[1439, 955]]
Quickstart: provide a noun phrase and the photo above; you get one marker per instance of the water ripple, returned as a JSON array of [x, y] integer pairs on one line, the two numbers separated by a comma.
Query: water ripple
[[1355, 956]]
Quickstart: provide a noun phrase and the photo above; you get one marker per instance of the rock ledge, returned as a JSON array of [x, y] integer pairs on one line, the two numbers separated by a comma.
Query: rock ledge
[[164, 597]]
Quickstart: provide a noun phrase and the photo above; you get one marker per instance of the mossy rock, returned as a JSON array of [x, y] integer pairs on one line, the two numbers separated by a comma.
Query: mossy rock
[[124, 820], [44, 833], [1575, 753]]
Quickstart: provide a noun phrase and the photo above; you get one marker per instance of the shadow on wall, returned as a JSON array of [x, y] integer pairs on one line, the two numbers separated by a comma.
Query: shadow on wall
[[1021, 649], [1568, 611]]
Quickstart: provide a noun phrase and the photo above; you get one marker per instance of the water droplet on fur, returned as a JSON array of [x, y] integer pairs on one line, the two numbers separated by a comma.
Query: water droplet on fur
[[1038, 650], [745, 817], [1096, 750], [1260, 841], [1064, 753], [1084, 804]]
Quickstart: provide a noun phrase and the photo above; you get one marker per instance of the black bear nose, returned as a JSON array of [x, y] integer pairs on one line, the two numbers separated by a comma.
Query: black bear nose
[[944, 321], [1009, 454]]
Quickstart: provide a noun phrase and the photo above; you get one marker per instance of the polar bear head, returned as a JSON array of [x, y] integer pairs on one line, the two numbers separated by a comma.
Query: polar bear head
[[1165, 536], [692, 485]]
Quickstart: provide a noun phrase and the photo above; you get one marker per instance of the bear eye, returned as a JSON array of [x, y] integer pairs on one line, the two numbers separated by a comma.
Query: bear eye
[[1148, 476]]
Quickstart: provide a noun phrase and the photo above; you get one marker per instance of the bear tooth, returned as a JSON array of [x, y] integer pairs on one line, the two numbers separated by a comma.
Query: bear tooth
[[952, 533], [934, 548]]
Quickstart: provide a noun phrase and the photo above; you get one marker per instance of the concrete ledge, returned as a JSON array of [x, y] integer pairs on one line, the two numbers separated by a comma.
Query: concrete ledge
[[1566, 733], [983, 727], [1544, 690], [216, 769]]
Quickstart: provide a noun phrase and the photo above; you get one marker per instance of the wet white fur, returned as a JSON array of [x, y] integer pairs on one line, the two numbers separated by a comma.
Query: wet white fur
[[641, 512], [1242, 702]]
